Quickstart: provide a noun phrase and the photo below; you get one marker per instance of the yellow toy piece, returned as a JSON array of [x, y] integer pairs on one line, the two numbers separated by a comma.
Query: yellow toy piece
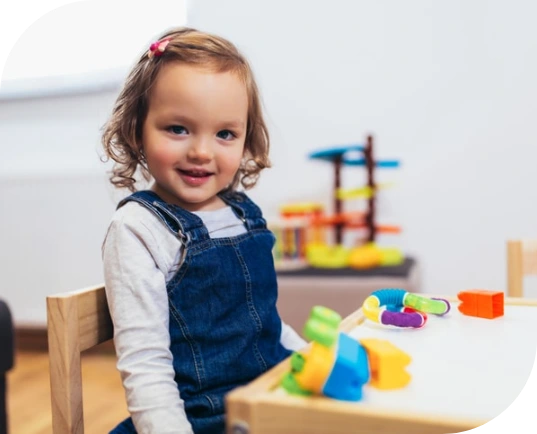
[[303, 208], [392, 256], [366, 256], [364, 192], [371, 309], [319, 361], [387, 364], [323, 256], [370, 255]]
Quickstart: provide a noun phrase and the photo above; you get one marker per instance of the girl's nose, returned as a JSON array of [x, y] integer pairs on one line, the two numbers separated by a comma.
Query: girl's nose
[[200, 150]]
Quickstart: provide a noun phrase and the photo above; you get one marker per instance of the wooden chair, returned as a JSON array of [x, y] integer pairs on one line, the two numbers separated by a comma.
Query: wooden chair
[[521, 261], [77, 321]]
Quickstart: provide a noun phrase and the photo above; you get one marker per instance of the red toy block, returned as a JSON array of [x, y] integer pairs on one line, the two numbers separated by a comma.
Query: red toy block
[[481, 303]]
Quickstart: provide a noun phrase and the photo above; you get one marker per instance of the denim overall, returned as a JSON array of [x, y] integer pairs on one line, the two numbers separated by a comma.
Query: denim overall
[[224, 326]]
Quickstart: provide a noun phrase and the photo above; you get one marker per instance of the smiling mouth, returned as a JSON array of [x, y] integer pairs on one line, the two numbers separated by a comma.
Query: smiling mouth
[[195, 173], [194, 178]]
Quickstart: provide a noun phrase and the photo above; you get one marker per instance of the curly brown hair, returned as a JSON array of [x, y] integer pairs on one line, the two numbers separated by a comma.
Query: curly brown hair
[[122, 134]]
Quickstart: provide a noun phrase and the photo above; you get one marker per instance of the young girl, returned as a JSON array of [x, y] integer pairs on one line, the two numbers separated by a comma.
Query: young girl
[[188, 267]]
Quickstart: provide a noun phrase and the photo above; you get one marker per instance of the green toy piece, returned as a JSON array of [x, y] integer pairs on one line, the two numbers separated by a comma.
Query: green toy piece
[[322, 326], [290, 384], [334, 365]]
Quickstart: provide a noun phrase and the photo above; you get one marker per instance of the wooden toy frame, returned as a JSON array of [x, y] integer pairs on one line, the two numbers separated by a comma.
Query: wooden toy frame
[[257, 409]]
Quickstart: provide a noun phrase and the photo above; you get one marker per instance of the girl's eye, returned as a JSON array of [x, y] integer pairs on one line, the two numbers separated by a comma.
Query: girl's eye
[[225, 135], [177, 129]]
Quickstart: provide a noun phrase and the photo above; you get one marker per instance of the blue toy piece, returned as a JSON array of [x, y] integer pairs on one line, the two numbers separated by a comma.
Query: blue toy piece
[[388, 164], [336, 365], [350, 371], [332, 153]]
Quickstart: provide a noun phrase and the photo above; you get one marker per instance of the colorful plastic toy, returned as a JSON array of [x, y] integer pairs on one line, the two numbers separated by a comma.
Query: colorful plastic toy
[[481, 303], [365, 253], [387, 364], [337, 366], [397, 307], [323, 256], [293, 232]]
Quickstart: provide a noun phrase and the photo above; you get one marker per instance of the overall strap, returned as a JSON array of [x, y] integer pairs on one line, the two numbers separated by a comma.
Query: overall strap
[[182, 223], [245, 209]]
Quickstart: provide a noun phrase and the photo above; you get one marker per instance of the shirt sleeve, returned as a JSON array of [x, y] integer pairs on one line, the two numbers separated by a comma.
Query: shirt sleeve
[[137, 298], [290, 339]]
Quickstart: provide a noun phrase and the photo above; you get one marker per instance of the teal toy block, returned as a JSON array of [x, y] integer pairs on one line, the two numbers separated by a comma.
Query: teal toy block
[[350, 371]]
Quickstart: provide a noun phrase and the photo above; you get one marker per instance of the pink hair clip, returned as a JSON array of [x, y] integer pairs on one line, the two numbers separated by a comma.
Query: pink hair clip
[[157, 48]]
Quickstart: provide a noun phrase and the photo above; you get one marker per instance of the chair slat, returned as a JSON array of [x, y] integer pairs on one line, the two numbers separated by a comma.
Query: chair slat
[[529, 252], [521, 261], [77, 321]]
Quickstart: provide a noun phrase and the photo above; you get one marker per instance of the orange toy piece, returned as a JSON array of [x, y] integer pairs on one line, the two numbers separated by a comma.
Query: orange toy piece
[[387, 364], [481, 303], [320, 360]]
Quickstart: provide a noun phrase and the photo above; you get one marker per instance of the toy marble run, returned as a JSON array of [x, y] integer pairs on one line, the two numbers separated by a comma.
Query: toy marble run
[[299, 220]]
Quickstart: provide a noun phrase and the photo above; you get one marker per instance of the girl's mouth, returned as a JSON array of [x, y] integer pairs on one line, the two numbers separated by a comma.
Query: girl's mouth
[[194, 177]]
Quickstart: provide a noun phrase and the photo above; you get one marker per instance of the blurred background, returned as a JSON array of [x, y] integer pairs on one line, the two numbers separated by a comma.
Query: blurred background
[[447, 88]]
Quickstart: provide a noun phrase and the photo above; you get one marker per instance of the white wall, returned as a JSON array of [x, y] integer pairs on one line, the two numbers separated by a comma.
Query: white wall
[[84, 36], [56, 203], [446, 87], [56, 200]]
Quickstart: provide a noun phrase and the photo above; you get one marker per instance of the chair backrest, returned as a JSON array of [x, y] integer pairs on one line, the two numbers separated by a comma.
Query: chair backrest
[[77, 321], [521, 261]]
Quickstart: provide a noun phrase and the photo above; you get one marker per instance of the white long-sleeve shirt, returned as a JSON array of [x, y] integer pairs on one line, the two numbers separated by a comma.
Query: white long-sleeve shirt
[[140, 256]]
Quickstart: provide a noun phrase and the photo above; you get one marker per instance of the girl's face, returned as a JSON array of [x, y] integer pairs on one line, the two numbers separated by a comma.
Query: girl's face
[[193, 135]]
